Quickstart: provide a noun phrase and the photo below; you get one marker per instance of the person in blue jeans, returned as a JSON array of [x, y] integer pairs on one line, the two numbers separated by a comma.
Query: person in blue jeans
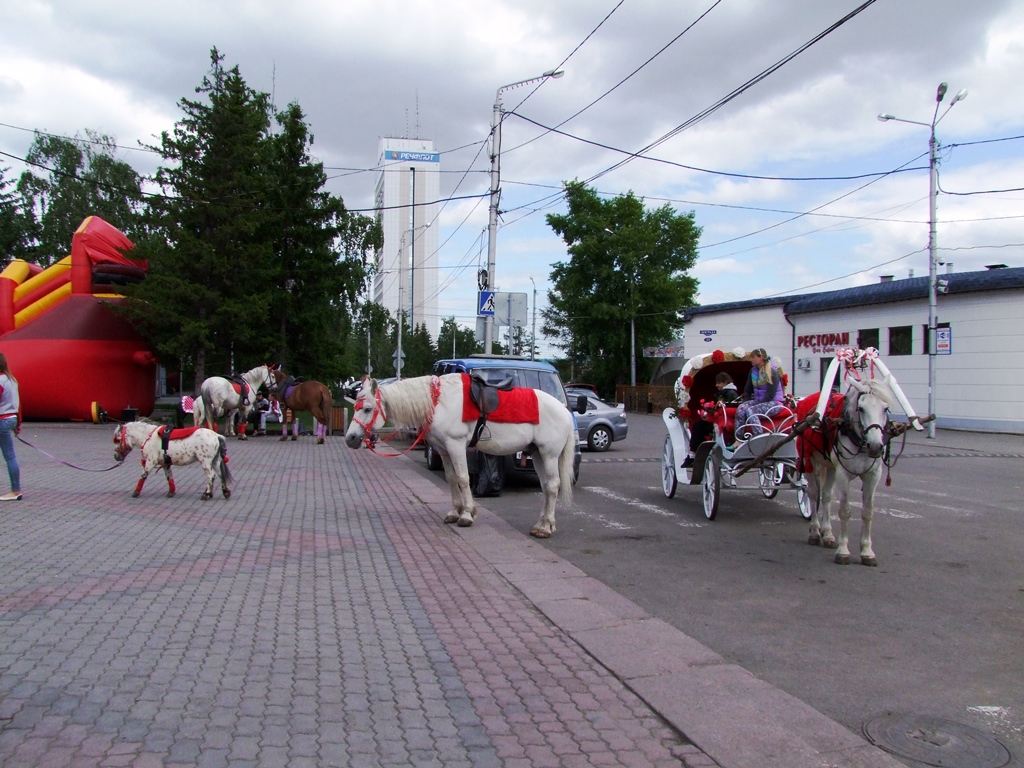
[[10, 425]]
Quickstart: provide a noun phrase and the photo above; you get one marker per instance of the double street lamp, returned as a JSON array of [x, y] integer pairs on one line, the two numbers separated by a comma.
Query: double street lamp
[[492, 220], [933, 191]]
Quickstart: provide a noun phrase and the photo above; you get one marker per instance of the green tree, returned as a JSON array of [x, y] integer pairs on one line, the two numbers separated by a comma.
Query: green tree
[[208, 251], [320, 253], [420, 352], [455, 341], [15, 225], [370, 342], [626, 276], [69, 180]]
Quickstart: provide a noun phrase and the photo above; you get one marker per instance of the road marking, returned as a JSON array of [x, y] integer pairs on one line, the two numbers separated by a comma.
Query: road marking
[[641, 505]]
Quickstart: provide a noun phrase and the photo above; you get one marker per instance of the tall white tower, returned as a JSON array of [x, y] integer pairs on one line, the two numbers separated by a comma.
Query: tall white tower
[[406, 202]]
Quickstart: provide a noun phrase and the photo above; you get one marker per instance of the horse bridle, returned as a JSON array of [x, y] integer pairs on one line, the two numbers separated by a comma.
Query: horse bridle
[[369, 438], [123, 449]]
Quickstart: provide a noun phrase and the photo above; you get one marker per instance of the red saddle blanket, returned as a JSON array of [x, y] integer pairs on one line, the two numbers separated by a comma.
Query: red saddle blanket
[[516, 406], [811, 440], [180, 434]]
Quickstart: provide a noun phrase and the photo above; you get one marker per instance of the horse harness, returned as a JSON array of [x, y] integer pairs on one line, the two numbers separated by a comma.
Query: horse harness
[[484, 395], [370, 438]]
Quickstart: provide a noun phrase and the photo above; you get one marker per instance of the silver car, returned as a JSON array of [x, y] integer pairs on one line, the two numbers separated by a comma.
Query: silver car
[[602, 424]]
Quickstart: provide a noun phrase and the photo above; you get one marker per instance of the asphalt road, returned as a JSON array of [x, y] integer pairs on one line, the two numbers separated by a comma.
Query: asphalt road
[[937, 629]]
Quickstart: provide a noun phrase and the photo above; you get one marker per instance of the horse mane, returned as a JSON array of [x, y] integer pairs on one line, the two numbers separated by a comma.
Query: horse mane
[[878, 387], [407, 402]]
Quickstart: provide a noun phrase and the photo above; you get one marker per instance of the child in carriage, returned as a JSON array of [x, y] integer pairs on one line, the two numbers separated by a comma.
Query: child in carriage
[[703, 429]]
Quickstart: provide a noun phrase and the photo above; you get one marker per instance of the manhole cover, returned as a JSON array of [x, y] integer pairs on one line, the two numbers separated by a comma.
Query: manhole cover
[[934, 741]]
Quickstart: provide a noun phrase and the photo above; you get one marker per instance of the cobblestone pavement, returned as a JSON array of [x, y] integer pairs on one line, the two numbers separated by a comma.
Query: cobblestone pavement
[[321, 616]]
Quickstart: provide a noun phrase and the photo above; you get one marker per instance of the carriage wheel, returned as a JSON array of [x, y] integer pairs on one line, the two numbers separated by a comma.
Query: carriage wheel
[[712, 486], [668, 469], [808, 498], [769, 479]]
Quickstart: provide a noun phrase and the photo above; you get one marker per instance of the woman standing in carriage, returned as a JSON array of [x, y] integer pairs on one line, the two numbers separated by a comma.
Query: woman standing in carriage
[[763, 391]]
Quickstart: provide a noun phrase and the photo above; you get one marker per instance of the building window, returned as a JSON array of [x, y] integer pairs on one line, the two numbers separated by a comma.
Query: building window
[[823, 364], [925, 335], [901, 340], [867, 337]]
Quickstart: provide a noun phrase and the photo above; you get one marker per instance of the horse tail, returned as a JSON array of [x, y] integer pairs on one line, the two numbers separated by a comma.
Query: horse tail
[[326, 401], [225, 471], [565, 462], [211, 419], [198, 412]]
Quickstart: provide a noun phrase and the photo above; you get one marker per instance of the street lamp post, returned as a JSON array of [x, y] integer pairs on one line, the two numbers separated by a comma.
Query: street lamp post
[[933, 191], [533, 333], [492, 219], [412, 270]]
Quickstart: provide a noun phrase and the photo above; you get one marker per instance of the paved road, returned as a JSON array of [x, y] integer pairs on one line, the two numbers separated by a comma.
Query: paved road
[[324, 616], [935, 630]]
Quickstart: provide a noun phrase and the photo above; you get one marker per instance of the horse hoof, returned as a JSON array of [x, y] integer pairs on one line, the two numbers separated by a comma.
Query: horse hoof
[[206, 496], [541, 533], [319, 441], [285, 437], [294, 437], [451, 518], [136, 495], [242, 437], [870, 561], [227, 494], [170, 494], [465, 522], [829, 544], [814, 540], [842, 559]]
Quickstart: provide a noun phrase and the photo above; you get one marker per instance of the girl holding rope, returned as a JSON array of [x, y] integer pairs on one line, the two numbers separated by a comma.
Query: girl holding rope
[[10, 425]]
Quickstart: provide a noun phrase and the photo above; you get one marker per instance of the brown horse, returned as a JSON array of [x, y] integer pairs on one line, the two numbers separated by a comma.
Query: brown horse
[[309, 396]]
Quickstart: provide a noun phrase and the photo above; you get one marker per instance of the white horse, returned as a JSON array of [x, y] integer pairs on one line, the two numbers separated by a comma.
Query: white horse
[[435, 404], [220, 399], [202, 445], [852, 446]]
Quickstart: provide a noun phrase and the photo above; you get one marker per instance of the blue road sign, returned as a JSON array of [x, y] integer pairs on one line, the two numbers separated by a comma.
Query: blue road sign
[[485, 303]]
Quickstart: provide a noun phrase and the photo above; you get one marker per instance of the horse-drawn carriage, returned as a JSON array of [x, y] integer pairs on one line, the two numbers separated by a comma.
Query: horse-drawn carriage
[[816, 446], [764, 440]]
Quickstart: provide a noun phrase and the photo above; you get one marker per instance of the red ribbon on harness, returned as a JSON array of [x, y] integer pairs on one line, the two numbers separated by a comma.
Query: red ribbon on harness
[[811, 440]]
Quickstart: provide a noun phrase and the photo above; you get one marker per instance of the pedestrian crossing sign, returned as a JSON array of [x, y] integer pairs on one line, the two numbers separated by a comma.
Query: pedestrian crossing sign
[[485, 304]]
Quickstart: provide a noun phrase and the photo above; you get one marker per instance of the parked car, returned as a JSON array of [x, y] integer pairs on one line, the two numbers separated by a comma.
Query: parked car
[[602, 424], [487, 473]]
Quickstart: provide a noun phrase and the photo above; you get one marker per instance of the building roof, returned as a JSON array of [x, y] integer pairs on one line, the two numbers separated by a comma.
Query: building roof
[[877, 293]]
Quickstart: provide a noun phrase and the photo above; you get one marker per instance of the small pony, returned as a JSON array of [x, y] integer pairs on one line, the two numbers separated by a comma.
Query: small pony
[[310, 395], [436, 405], [194, 444]]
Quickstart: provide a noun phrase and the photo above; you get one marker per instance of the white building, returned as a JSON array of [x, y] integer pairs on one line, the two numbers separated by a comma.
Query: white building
[[979, 368], [407, 264]]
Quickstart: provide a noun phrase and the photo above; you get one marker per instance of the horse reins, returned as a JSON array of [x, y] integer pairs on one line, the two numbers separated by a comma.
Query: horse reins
[[66, 463], [370, 438]]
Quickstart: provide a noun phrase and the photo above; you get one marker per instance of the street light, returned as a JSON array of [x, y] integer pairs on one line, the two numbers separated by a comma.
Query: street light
[[412, 273], [933, 191], [533, 333], [492, 219]]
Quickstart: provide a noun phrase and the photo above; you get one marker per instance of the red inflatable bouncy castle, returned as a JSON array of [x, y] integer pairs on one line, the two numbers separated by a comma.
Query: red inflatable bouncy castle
[[71, 353]]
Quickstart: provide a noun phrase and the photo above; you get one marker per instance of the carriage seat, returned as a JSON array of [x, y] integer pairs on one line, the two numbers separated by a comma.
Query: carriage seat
[[779, 419]]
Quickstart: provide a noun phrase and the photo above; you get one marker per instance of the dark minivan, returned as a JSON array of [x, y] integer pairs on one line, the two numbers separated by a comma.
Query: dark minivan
[[487, 473]]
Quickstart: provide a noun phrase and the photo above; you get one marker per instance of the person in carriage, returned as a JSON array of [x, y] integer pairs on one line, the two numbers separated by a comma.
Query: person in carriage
[[762, 393], [704, 428]]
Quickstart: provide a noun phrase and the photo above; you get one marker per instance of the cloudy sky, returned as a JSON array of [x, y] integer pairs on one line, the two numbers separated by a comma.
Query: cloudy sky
[[792, 180]]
